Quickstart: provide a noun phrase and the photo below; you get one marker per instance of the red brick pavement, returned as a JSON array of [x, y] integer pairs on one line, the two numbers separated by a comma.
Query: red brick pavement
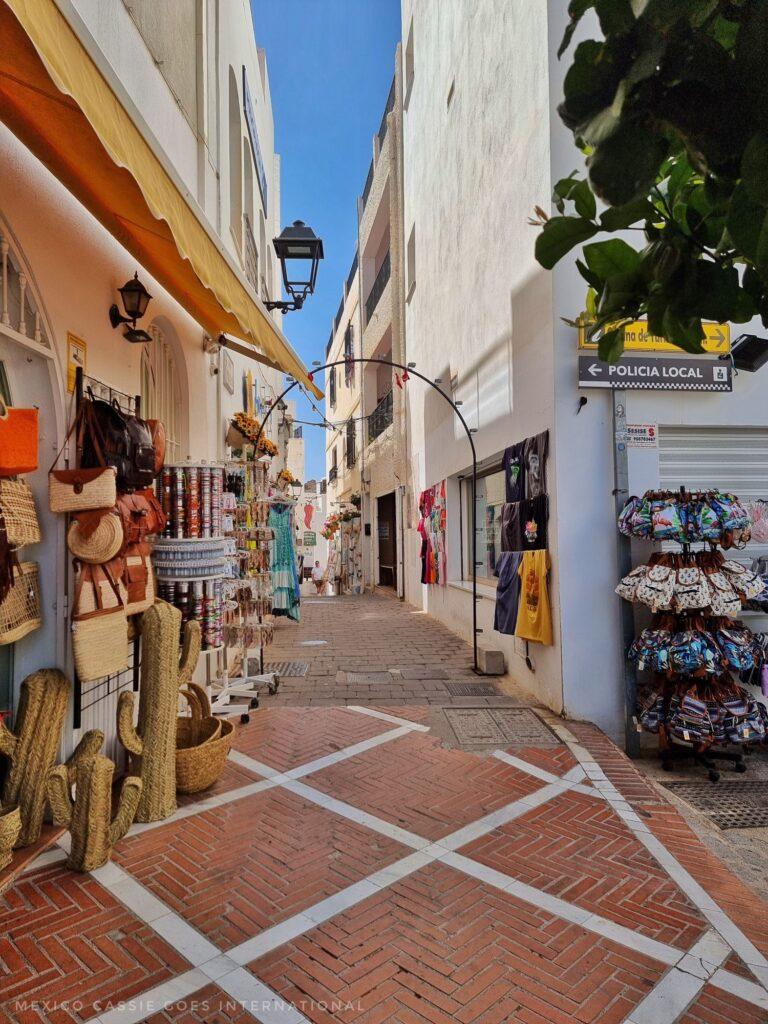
[[415, 783], [715, 1007], [237, 869], [444, 948], [289, 737], [65, 939]]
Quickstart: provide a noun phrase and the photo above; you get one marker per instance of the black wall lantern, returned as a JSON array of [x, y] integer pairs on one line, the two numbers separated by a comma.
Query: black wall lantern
[[299, 250], [135, 301]]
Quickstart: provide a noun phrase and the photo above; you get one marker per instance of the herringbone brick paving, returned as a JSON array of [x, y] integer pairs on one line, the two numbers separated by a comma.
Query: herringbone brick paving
[[237, 869], [417, 784], [290, 737], [575, 847], [442, 947], [438, 945], [65, 939]]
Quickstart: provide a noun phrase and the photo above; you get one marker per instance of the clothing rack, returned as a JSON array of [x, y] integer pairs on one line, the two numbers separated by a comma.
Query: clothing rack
[[131, 405]]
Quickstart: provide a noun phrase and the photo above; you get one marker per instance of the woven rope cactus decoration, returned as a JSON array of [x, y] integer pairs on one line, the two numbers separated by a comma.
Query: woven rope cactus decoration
[[89, 819], [33, 746], [154, 737]]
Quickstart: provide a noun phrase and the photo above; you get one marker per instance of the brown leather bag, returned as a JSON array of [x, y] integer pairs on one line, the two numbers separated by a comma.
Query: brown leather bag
[[157, 429], [142, 516]]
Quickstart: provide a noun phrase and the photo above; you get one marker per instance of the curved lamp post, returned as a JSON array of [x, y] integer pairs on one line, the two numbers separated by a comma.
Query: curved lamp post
[[412, 372]]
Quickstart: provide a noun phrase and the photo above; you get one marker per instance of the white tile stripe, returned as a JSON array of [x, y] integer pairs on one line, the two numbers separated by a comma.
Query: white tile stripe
[[374, 713], [672, 996], [717, 917]]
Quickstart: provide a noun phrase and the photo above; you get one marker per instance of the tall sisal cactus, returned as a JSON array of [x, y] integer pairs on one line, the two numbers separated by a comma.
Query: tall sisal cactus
[[89, 819], [33, 746], [154, 738]]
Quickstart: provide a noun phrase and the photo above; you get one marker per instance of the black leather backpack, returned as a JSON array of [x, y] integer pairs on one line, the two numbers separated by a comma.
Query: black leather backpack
[[126, 442]]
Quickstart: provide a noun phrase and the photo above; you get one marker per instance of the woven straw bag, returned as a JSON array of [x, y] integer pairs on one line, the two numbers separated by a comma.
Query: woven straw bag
[[20, 610], [98, 545], [99, 622], [10, 829], [18, 507], [202, 744], [79, 490]]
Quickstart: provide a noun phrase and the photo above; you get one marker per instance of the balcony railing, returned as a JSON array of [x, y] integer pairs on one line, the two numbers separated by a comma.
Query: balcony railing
[[390, 106], [333, 473], [251, 253], [378, 288], [380, 418], [351, 455], [351, 275], [367, 185]]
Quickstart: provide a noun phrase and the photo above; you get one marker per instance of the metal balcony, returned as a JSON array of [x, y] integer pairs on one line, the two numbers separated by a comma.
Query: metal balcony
[[333, 473], [367, 185], [380, 418], [390, 106], [378, 288]]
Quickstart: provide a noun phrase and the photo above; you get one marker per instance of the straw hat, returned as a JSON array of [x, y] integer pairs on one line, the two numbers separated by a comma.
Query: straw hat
[[96, 545]]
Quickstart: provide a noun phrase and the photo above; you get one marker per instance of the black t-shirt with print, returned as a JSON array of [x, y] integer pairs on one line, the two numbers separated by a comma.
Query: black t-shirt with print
[[534, 460], [514, 471], [533, 523]]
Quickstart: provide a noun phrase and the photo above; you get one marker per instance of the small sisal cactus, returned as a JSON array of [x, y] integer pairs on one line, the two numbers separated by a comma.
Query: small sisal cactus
[[33, 745], [92, 829], [153, 739]]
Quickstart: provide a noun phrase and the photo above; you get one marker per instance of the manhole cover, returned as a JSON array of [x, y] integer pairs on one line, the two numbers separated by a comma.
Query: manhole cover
[[476, 728], [367, 677], [728, 804], [422, 673], [472, 690], [285, 668]]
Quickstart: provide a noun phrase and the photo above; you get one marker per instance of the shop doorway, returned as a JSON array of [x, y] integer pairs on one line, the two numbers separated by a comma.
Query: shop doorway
[[386, 520]]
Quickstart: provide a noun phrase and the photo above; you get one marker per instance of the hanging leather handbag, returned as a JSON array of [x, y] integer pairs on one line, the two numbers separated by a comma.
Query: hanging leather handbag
[[78, 490], [126, 443], [142, 515], [138, 579], [157, 430], [18, 440]]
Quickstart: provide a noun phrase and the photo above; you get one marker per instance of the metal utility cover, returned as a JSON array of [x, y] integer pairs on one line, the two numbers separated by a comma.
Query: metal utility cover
[[363, 678], [469, 689], [727, 804], [656, 373], [287, 668], [499, 727]]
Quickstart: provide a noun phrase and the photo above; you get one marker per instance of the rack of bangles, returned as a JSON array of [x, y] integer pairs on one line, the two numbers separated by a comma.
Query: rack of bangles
[[697, 651], [248, 624]]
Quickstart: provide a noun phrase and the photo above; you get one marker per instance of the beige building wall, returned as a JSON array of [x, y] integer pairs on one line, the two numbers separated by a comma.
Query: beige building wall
[[343, 454]]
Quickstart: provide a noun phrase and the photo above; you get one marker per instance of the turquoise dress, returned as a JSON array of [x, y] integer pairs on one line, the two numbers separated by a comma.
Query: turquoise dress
[[285, 580]]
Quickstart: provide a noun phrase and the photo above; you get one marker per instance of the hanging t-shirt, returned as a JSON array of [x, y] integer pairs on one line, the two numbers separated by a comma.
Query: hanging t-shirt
[[533, 523], [507, 592], [513, 471], [534, 618], [511, 532], [534, 459]]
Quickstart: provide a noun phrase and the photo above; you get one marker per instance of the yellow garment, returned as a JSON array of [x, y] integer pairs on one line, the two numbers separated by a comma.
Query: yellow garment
[[534, 618]]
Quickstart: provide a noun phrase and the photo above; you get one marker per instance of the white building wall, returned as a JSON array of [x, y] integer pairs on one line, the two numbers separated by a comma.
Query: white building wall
[[480, 307]]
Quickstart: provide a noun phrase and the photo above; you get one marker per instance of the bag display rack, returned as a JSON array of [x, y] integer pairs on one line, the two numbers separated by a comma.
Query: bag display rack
[[248, 591], [698, 653], [128, 677]]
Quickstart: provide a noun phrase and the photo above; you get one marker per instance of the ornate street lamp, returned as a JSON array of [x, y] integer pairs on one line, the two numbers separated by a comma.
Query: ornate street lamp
[[135, 298], [299, 250]]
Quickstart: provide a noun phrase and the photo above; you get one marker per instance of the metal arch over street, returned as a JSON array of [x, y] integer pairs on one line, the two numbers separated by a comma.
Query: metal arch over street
[[412, 372]]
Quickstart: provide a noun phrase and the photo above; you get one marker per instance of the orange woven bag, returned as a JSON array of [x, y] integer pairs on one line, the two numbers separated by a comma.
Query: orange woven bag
[[18, 440]]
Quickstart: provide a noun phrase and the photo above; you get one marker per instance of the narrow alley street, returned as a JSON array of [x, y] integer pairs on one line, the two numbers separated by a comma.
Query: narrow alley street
[[418, 855]]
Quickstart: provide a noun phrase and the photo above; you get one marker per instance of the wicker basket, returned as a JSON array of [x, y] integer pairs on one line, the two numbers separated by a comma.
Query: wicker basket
[[10, 829], [202, 744], [20, 611], [18, 507], [100, 645]]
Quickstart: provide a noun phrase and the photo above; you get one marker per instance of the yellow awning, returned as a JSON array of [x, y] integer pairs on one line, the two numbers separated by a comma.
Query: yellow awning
[[56, 100]]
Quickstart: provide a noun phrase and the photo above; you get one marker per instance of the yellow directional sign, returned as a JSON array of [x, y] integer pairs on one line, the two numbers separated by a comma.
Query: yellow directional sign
[[717, 338]]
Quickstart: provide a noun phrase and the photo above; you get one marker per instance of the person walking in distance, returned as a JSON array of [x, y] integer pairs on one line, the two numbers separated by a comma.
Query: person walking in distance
[[317, 578]]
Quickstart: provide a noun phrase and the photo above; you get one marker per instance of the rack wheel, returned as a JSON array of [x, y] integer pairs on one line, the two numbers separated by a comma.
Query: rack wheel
[[254, 703], [713, 775], [667, 766], [740, 767], [245, 719]]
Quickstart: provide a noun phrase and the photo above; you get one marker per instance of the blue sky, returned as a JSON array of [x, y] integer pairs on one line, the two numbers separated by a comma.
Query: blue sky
[[331, 64]]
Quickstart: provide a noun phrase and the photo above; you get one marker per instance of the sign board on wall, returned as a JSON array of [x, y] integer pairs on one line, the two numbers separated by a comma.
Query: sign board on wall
[[717, 339], [650, 373], [639, 435], [310, 539], [77, 351], [253, 135]]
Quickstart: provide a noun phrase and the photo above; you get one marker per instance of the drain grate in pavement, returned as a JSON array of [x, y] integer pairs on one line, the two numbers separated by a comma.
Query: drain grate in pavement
[[287, 668], [367, 677], [481, 728], [472, 690], [421, 673], [728, 804]]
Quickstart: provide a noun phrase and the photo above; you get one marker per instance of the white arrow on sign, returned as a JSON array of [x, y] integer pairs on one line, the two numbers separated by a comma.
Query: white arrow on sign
[[594, 369]]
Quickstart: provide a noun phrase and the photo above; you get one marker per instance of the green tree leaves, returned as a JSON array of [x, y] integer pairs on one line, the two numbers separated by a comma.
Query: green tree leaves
[[672, 107]]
